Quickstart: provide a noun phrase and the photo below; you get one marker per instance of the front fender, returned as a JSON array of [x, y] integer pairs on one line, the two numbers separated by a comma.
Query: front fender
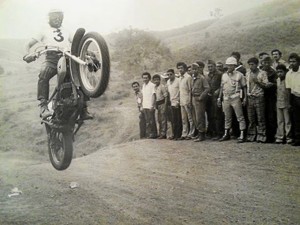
[[75, 51]]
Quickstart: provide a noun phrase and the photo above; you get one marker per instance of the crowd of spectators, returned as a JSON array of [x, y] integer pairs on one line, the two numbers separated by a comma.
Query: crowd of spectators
[[260, 103]]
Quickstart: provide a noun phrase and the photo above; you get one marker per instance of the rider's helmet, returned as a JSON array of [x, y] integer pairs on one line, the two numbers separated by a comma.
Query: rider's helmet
[[56, 17]]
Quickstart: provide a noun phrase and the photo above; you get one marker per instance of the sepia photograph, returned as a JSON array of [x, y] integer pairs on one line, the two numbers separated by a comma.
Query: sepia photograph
[[138, 112]]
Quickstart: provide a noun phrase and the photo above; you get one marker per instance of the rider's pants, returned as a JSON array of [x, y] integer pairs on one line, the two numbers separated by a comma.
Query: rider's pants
[[45, 75]]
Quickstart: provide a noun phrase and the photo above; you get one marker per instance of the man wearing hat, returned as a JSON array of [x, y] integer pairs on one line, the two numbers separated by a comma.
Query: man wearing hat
[[220, 67], [232, 84], [53, 35], [164, 78]]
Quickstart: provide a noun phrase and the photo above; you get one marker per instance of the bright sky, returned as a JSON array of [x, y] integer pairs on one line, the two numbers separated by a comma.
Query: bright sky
[[23, 18]]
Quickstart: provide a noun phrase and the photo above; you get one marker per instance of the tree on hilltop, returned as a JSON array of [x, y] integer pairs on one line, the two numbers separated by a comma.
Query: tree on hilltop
[[137, 51]]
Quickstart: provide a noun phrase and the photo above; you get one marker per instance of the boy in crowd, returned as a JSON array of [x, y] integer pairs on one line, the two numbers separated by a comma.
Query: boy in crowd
[[261, 56], [270, 100], [200, 89], [284, 125], [173, 93], [292, 82], [189, 70], [232, 83], [220, 67], [185, 88], [148, 104], [161, 106], [256, 81], [139, 98], [214, 113], [239, 66]]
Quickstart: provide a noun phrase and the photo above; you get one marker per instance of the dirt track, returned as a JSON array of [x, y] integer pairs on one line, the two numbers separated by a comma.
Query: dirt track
[[158, 182], [143, 182]]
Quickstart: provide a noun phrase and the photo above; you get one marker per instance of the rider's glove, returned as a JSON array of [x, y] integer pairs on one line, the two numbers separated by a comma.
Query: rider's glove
[[29, 58]]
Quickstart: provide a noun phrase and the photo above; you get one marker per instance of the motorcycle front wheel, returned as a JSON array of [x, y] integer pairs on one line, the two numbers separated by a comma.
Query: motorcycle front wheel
[[60, 147], [94, 76]]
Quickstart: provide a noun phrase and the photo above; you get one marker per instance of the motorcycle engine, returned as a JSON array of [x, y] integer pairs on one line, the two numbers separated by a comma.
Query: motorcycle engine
[[66, 103]]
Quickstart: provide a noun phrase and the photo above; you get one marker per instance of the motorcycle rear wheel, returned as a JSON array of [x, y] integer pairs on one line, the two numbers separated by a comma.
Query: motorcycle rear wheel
[[60, 148], [94, 76]]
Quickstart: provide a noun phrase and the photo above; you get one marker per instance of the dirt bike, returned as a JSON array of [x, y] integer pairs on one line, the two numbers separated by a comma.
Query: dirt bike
[[85, 69]]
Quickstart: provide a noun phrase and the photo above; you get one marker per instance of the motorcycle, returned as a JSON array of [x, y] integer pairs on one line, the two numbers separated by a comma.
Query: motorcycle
[[84, 69]]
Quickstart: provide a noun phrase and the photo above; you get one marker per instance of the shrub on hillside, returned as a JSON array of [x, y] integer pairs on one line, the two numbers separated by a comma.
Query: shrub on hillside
[[137, 51]]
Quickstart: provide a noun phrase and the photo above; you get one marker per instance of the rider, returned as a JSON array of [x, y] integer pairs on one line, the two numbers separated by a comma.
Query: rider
[[58, 36]]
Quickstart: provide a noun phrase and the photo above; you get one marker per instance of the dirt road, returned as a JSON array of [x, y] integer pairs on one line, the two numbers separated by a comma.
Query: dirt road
[[157, 182], [141, 182]]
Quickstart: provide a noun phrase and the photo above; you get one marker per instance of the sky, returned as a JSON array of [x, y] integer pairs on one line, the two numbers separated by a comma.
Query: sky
[[24, 18]]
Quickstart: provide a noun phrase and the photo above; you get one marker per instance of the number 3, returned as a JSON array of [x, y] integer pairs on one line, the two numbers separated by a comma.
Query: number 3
[[59, 37]]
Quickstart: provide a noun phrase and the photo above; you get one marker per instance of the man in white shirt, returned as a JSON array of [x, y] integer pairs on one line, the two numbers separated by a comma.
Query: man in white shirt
[[292, 82], [185, 90], [148, 104], [173, 89], [57, 36], [139, 99]]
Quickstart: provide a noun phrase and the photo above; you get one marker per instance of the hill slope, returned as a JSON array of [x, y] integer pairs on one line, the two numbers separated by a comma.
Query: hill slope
[[271, 25]]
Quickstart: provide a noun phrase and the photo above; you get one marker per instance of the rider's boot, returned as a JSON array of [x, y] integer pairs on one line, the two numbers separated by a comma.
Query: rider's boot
[[44, 111], [85, 115]]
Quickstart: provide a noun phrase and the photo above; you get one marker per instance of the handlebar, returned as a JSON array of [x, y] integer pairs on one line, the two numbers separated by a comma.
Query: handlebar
[[44, 49]]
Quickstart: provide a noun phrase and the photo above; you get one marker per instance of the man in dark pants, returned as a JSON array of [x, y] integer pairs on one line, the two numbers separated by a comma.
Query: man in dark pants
[[139, 98], [200, 88], [270, 100], [173, 90], [240, 68], [148, 104], [293, 83], [214, 113]]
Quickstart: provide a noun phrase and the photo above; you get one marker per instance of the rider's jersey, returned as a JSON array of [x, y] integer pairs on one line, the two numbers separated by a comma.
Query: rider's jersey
[[58, 37]]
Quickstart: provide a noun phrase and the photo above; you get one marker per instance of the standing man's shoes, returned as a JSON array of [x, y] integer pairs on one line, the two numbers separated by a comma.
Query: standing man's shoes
[[226, 136]]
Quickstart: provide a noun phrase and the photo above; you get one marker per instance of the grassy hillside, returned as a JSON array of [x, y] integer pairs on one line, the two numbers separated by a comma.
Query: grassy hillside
[[271, 25]]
